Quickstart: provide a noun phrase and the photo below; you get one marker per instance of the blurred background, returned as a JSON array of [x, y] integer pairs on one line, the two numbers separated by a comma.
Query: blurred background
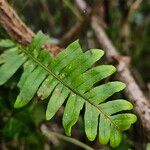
[[127, 23]]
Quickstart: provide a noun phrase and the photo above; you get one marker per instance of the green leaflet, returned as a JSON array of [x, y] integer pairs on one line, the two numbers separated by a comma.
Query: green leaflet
[[86, 59], [7, 55], [69, 76], [101, 93], [12, 62], [74, 105], [116, 106], [6, 43], [93, 75], [124, 120], [115, 136], [29, 66], [104, 130], [71, 72], [57, 99], [91, 121], [38, 41], [72, 111], [98, 95], [30, 87], [62, 59], [32, 82]]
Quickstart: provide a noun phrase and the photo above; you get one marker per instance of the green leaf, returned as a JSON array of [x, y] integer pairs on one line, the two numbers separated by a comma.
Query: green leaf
[[116, 106], [72, 111], [30, 87], [62, 59], [29, 66], [91, 121], [32, 82], [104, 130], [124, 121], [38, 41], [6, 43], [57, 99], [13, 128], [93, 75], [11, 65], [115, 137], [74, 103], [70, 77], [101, 93]]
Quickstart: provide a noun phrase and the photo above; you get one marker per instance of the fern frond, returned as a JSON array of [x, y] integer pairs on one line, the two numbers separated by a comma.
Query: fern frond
[[69, 76]]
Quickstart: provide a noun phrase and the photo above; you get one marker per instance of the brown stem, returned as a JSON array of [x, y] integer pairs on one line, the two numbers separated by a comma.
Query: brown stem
[[16, 29], [49, 134], [13, 25]]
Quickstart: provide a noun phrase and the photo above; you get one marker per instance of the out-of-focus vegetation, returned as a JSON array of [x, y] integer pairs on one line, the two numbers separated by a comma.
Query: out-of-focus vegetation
[[19, 129]]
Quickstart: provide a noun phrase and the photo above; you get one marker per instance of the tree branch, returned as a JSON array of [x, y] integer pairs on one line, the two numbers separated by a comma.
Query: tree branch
[[16, 29], [50, 134]]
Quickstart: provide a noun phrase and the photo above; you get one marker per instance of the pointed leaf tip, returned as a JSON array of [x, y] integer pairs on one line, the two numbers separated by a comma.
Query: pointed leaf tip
[[121, 85]]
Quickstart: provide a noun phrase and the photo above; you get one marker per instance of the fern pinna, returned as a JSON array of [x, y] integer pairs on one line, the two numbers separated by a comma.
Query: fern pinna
[[69, 76]]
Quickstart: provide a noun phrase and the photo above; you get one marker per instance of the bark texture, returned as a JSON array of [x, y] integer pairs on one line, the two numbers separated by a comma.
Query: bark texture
[[16, 29]]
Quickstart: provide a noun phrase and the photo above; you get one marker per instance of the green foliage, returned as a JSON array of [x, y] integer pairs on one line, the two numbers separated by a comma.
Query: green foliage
[[69, 76], [20, 126]]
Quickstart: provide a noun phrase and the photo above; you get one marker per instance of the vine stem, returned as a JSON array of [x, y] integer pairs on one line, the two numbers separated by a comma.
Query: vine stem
[[50, 134]]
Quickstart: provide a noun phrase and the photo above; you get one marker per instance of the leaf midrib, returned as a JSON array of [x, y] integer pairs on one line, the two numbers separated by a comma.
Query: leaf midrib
[[68, 86]]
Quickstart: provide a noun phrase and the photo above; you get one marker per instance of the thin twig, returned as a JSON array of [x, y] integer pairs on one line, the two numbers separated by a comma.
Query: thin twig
[[50, 134]]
